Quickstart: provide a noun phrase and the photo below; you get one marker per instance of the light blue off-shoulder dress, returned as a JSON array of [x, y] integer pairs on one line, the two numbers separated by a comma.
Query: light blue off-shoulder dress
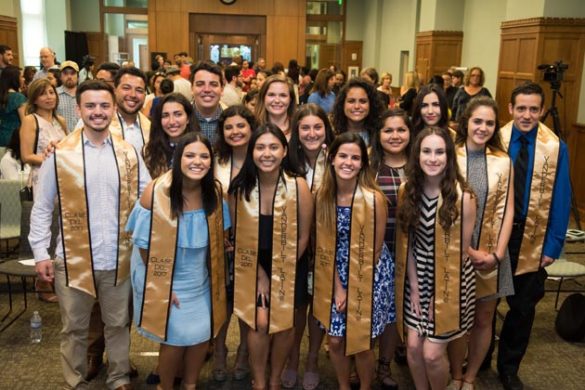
[[190, 323]]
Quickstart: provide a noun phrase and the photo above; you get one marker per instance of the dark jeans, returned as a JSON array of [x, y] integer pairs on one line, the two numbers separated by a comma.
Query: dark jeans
[[529, 290]]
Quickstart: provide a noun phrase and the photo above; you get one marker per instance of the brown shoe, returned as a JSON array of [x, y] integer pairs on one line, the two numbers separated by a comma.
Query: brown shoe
[[127, 386], [94, 365]]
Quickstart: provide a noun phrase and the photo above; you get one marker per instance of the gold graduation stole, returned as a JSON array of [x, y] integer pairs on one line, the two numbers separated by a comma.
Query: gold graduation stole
[[498, 166], [360, 274], [116, 126], [74, 215], [223, 173], [448, 270], [319, 171], [284, 255], [546, 157], [162, 250]]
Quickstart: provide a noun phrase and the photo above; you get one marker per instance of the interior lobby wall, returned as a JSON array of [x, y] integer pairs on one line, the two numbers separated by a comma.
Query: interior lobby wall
[[481, 37], [397, 35], [85, 15]]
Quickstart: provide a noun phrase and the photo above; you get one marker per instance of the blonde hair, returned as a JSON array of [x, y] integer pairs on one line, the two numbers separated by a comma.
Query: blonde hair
[[411, 80]]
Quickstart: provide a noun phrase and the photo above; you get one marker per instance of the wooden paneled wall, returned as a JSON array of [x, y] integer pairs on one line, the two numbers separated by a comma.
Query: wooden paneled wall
[[96, 46], [9, 36], [576, 144], [170, 29], [527, 43], [436, 51], [352, 48]]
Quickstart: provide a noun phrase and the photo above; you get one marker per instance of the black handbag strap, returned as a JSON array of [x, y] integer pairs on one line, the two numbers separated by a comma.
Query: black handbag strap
[[37, 131]]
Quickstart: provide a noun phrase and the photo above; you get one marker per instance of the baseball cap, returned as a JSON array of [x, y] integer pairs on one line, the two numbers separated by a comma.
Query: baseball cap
[[172, 70], [69, 64]]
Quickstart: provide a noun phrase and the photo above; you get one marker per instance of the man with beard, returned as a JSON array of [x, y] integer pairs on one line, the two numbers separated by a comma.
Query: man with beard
[[47, 57], [207, 84], [129, 122], [67, 104], [6, 57], [232, 92], [97, 177]]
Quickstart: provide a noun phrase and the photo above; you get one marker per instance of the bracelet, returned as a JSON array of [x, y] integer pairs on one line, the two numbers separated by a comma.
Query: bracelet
[[496, 257]]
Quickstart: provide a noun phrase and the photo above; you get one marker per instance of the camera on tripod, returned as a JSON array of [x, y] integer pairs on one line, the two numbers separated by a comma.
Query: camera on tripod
[[554, 73]]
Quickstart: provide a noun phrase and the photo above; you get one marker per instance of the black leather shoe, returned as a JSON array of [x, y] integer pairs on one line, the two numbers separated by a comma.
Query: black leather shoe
[[94, 365], [511, 382]]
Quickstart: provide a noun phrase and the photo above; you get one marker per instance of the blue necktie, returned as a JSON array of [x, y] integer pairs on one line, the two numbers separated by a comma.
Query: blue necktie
[[520, 171]]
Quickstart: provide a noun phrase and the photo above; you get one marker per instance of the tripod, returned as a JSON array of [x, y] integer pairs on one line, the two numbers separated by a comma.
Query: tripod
[[554, 112]]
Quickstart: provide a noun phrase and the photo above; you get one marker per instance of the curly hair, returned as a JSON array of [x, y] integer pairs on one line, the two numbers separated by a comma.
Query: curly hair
[[158, 152], [495, 142], [223, 150], [340, 121], [409, 212], [467, 81]]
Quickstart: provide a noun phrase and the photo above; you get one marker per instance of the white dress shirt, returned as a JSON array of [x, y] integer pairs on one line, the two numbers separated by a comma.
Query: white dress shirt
[[102, 183]]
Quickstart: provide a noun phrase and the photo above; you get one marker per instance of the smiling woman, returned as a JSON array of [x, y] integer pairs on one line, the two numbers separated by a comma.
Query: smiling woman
[[41, 126], [189, 282], [173, 117], [357, 109], [353, 260], [434, 202], [273, 210], [276, 103]]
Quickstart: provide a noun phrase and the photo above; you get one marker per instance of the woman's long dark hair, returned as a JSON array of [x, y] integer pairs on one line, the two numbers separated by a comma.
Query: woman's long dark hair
[[417, 119], [480, 101], [9, 79], [409, 212], [296, 153], [247, 179], [209, 189], [158, 151], [377, 151], [223, 150], [339, 120]]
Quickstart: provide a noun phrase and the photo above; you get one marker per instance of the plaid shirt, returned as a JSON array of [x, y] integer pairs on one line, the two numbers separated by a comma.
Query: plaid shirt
[[389, 180], [209, 125], [66, 108]]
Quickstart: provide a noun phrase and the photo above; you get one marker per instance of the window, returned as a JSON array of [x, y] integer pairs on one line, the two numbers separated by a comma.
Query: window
[[33, 25], [324, 32]]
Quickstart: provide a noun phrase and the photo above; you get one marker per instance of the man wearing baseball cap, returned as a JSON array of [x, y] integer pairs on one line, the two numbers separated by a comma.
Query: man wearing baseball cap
[[66, 108]]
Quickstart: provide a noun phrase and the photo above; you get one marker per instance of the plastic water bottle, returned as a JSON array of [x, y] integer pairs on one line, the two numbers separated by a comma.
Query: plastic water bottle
[[36, 328]]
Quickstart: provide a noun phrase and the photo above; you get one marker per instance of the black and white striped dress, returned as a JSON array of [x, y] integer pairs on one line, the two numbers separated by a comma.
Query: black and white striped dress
[[424, 255]]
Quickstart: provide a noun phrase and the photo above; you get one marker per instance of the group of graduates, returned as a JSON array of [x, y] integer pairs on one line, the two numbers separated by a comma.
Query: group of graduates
[[364, 225]]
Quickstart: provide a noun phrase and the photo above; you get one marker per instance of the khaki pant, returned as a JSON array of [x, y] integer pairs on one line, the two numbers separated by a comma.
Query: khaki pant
[[76, 307]]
